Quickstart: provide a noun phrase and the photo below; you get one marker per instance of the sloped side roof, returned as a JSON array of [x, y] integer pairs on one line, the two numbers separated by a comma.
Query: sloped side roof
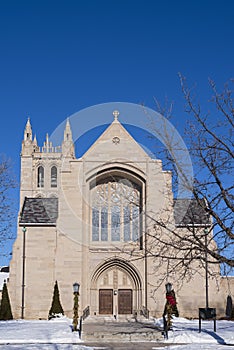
[[190, 212], [40, 211]]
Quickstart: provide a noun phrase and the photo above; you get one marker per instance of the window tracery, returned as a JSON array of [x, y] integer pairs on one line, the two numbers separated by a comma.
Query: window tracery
[[116, 211]]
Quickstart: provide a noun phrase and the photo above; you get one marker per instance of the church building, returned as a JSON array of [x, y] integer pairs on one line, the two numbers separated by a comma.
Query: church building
[[87, 220]]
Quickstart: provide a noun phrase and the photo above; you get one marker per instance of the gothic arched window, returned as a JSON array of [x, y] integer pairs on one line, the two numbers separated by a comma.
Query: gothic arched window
[[40, 176], [53, 176], [116, 210]]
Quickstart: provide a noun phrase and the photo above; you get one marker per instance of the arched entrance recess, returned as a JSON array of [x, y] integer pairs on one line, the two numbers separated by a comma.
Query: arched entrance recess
[[116, 288]]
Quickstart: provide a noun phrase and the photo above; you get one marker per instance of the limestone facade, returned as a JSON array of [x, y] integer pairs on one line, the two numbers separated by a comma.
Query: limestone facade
[[98, 237]]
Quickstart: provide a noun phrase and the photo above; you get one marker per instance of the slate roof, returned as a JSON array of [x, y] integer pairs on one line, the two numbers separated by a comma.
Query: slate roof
[[190, 212], [44, 211], [39, 211]]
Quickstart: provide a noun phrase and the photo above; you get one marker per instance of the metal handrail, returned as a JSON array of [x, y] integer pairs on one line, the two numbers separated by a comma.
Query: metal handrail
[[86, 312]]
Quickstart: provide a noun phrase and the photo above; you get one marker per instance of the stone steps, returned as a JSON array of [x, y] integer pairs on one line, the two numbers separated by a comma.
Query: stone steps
[[96, 337], [105, 330]]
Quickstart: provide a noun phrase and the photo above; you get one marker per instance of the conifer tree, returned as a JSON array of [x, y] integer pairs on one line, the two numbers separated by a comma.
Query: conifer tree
[[5, 308], [56, 307]]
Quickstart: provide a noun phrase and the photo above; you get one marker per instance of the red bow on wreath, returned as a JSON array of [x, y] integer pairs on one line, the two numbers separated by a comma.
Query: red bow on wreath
[[171, 300]]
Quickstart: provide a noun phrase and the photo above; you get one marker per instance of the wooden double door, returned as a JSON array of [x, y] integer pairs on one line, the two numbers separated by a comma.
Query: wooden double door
[[107, 299]]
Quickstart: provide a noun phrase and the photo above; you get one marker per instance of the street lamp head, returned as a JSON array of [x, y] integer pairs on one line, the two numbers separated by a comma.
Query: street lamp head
[[168, 287], [76, 287], [24, 229]]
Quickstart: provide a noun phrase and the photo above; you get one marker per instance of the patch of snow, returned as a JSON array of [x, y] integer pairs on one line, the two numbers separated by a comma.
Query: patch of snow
[[22, 331], [186, 331], [3, 276]]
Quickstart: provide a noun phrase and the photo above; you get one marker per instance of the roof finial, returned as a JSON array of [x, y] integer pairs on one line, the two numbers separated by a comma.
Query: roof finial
[[35, 140], [116, 114]]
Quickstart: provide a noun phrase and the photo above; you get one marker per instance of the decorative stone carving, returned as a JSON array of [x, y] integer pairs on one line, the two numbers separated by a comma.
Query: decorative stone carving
[[116, 140]]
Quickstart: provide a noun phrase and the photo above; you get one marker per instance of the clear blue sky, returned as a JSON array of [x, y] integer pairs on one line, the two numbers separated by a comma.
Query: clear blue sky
[[58, 57]]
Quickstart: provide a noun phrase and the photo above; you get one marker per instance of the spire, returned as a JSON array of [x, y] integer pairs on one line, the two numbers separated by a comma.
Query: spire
[[27, 143], [67, 132], [68, 149], [47, 147], [35, 140], [35, 146], [28, 131]]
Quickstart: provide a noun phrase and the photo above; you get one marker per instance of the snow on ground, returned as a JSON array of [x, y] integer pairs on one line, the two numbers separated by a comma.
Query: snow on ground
[[187, 332], [39, 334], [23, 331], [57, 335]]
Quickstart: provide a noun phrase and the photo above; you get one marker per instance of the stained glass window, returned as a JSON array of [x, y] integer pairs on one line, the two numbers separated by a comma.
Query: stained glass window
[[135, 223], [116, 210], [40, 176], [53, 177], [115, 223], [127, 220], [104, 224], [95, 225]]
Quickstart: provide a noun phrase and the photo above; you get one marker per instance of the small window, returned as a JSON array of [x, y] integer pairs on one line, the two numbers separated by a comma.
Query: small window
[[40, 176], [53, 178]]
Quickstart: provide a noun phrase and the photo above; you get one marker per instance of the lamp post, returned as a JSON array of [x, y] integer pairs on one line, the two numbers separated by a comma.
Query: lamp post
[[168, 287], [76, 287], [206, 268], [23, 272], [167, 310], [207, 312]]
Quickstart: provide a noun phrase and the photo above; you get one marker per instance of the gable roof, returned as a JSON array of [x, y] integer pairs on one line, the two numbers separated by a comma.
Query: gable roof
[[189, 212], [39, 211], [116, 134]]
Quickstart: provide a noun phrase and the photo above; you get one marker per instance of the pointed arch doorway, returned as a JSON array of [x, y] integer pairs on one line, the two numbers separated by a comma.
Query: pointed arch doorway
[[116, 288], [118, 302]]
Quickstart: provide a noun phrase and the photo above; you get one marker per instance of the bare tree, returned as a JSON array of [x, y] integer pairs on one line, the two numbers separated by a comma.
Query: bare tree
[[212, 149], [8, 211], [205, 230]]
